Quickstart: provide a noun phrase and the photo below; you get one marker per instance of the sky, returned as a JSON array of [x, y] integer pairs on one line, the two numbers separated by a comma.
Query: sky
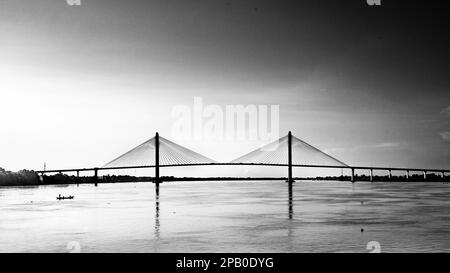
[[80, 85]]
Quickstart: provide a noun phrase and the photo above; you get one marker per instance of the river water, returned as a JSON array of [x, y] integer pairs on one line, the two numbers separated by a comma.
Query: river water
[[227, 217]]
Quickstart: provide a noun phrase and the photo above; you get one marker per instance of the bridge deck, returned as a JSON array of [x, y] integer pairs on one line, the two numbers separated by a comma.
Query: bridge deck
[[248, 164]]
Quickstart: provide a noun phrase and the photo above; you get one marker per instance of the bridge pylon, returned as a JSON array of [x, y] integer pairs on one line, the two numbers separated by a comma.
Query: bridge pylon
[[157, 179], [290, 179]]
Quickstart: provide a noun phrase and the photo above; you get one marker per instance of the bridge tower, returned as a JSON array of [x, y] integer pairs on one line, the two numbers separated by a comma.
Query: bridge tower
[[157, 180], [290, 180]]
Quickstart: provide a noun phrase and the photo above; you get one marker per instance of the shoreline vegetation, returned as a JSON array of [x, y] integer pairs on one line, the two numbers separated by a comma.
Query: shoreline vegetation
[[31, 178]]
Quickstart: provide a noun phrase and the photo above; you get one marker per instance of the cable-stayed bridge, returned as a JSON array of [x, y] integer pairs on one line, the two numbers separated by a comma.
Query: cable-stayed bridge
[[289, 151], [170, 153]]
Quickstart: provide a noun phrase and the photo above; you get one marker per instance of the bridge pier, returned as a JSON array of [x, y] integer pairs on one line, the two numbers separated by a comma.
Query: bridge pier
[[442, 175], [96, 177], [424, 175], [390, 175], [41, 178], [352, 178], [407, 175], [371, 175]]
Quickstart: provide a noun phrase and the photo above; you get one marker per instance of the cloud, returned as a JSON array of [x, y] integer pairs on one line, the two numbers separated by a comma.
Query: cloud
[[446, 111], [385, 145], [445, 136], [376, 146]]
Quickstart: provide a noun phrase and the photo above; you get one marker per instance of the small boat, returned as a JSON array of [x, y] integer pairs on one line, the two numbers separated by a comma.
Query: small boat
[[64, 197]]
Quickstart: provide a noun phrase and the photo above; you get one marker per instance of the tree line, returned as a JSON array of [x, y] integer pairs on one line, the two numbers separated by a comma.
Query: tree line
[[20, 178]]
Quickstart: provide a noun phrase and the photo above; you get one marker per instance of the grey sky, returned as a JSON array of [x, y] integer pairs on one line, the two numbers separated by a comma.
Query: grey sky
[[80, 85]]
